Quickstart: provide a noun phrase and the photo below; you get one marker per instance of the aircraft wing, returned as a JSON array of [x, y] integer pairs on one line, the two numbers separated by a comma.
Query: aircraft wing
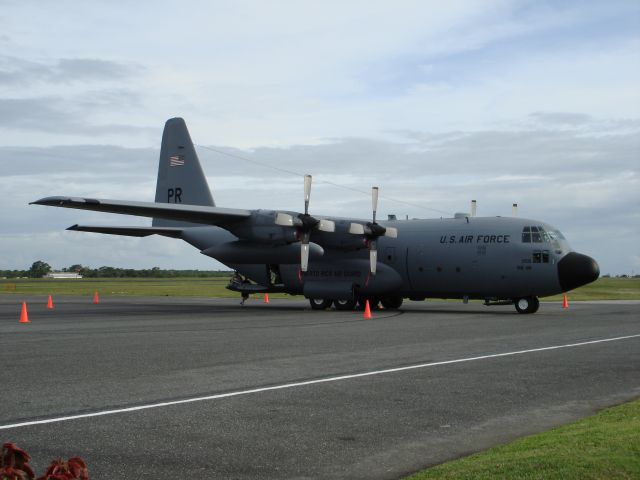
[[222, 217], [129, 231]]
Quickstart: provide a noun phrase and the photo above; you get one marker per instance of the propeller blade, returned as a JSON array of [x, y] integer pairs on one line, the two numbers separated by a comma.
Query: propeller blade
[[374, 201], [284, 220], [304, 257], [373, 257], [391, 232], [356, 229], [327, 225], [304, 252], [307, 193]]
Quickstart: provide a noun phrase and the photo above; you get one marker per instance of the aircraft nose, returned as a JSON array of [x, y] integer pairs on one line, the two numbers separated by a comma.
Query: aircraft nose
[[576, 269]]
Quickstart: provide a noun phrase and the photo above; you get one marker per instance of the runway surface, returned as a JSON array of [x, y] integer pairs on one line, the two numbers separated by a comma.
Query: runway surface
[[280, 391]]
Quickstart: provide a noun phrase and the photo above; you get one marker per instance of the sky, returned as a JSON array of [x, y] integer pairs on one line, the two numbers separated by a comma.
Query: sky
[[437, 103]]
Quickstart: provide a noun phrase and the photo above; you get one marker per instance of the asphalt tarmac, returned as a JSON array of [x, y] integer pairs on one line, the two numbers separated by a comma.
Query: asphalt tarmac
[[280, 391]]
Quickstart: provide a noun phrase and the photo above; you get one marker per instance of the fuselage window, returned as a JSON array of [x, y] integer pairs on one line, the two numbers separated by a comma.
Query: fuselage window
[[540, 256], [526, 235]]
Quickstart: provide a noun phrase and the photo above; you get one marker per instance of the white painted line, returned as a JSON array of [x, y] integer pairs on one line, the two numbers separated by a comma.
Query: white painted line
[[305, 383]]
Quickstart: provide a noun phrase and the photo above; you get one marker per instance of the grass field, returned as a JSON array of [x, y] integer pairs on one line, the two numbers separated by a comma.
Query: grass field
[[159, 287], [602, 289], [604, 446], [606, 289]]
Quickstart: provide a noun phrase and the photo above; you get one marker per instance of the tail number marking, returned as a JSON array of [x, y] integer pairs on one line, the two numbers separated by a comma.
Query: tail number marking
[[174, 195]]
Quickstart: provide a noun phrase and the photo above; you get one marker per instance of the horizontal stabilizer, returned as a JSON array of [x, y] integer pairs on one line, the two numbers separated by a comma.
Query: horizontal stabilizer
[[129, 231], [222, 217]]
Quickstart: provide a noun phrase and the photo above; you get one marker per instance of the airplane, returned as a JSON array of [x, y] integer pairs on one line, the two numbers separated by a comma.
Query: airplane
[[343, 262]]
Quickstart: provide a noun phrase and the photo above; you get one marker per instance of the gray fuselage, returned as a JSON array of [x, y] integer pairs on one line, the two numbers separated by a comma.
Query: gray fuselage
[[474, 257]]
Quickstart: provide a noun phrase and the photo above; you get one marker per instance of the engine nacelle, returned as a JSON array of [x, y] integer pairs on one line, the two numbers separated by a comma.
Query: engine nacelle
[[242, 252]]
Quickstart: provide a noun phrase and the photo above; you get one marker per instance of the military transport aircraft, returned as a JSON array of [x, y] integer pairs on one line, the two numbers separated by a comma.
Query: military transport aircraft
[[343, 261]]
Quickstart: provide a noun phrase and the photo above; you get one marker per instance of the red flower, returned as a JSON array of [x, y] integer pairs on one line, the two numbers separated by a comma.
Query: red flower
[[73, 469], [14, 463]]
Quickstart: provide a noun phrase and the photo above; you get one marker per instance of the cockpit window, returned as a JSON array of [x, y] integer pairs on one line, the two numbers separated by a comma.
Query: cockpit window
[[544, 234], [537, 234], [555, 235]]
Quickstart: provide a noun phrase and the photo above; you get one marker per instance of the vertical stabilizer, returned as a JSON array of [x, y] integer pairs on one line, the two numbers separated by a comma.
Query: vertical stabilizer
[[180, 176]]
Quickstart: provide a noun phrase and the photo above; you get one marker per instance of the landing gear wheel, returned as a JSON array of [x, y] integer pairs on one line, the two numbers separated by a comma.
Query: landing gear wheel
[[345, 304], [319, 303], [391, 303], [527, 304]]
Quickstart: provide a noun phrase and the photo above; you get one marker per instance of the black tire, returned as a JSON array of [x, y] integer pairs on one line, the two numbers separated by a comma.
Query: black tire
[[345, 304], [527, 304], [319, 303], [391, 303]]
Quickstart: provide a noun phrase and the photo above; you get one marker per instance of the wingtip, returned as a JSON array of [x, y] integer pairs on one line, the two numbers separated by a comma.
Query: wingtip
[[47, 201], [73, 227]]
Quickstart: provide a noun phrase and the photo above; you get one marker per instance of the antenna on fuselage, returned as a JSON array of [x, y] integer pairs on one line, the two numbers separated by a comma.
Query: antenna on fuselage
[[514, 210], [474, 205]]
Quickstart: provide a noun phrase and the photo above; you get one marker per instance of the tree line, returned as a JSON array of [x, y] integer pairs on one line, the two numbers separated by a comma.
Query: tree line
[[40, 268]]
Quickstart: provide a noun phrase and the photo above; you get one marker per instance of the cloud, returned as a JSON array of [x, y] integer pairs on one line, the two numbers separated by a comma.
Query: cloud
[[68, 98], [548, 153], [18, 71], [57, 115], [258, 75], [560, 118]]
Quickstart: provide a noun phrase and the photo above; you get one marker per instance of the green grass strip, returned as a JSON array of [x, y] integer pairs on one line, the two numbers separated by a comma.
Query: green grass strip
[[604, 446], [214, 287], [602, 289], [605, 289]]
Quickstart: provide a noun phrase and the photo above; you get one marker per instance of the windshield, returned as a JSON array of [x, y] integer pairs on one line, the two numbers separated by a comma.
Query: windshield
[[538, 234]]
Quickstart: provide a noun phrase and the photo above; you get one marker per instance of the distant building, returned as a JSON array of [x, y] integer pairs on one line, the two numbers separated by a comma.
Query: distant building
[[63, 275]]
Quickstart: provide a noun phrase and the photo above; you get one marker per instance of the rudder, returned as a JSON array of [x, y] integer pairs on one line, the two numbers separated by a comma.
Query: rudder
[[180, 176]]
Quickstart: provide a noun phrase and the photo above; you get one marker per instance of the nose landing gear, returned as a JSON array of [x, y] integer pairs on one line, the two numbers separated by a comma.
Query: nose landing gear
[[527, 304]]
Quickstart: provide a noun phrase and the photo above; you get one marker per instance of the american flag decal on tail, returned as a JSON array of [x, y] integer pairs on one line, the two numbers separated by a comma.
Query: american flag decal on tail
[[176, 160]]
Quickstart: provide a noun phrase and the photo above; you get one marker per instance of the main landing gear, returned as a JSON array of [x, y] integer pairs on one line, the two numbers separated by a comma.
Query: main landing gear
[[320, 303], [527, 304], [391, 303], [348, 304]]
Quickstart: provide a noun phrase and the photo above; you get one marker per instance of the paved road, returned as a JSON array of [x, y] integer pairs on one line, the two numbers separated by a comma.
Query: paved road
[[279, 422]]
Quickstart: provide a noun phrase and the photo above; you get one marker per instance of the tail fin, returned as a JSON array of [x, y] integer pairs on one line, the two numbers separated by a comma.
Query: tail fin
[[180, 176]]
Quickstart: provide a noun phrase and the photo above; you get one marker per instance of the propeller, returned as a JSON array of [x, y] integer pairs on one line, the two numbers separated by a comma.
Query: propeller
[[373, 230], [304, 224]]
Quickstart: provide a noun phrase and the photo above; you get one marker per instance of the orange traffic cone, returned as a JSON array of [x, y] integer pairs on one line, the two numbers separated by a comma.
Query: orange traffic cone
[[266, 298], [367, 311], [24, 316], [96, 299], [50, 303], [565, 304]]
